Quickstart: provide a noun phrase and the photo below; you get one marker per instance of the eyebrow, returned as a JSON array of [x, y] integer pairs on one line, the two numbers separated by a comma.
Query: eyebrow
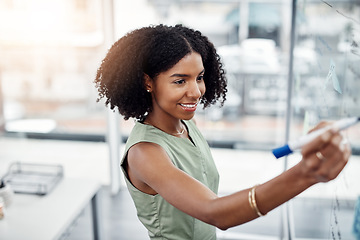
[[185, 75]]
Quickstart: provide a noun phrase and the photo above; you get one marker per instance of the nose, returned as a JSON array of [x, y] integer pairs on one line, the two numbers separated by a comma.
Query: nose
[[195, 90]]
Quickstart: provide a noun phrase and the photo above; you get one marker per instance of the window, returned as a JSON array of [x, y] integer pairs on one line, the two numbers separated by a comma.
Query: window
[[326, 86]]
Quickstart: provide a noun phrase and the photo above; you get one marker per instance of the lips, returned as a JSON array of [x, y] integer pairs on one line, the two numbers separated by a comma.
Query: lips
[[189, 106]]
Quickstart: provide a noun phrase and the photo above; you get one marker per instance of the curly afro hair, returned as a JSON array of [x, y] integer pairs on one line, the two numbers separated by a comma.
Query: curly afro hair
[[152, 50]]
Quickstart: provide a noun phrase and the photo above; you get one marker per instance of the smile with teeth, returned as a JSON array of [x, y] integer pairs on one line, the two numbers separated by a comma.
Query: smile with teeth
[[189, 105]]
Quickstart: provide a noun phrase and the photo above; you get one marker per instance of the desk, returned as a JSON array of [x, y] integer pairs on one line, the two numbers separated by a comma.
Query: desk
[[34, 217]]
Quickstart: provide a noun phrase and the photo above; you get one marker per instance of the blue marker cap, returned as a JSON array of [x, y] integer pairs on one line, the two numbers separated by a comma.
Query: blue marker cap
[[282, 151]]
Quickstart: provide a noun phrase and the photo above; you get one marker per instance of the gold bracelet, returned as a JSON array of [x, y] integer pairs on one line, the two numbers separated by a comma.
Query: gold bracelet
[[252, 202]]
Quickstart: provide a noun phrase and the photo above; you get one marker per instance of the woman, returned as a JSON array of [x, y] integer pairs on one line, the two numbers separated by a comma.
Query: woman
[[159, 75]]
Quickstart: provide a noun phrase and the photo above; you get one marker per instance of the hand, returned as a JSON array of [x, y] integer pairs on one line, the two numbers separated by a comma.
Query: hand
[[326, 156]]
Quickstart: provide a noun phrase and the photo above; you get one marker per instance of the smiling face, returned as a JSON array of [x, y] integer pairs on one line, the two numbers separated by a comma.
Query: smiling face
[[177, 91]]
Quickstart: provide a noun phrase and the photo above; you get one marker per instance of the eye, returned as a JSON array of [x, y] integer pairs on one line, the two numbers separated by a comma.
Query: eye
[[180, 81], [200, 78]]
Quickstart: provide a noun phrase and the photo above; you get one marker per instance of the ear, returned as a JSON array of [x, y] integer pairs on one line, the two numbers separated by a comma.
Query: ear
[[148, 82]]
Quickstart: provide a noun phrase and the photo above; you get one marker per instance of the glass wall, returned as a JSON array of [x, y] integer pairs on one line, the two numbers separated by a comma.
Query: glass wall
[[326, 86]]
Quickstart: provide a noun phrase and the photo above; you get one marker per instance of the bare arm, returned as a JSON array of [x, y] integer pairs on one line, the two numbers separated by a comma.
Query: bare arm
[[195, 199]]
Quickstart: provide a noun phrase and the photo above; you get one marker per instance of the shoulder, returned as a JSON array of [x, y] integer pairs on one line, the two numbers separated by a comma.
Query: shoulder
[[145, 150], [144, 133], [144, 141], [143, 160]]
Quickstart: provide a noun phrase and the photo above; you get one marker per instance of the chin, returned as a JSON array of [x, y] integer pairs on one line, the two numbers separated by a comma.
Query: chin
[[188, 117]]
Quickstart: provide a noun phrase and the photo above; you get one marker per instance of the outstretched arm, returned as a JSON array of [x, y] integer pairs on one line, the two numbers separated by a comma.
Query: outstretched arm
[[195, 199]]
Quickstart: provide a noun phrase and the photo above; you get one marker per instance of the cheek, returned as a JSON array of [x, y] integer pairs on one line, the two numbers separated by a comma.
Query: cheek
[[202, 88], [168, 97]]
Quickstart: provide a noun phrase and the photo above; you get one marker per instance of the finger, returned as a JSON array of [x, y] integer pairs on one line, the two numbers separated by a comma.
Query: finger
[[326, 174], [346, 148], [345, 144], [329, 149], [313, 163], [321, 124], [311, 152], [336, 161], [318, 143], [320, 156], [335, 148], [343, 160]]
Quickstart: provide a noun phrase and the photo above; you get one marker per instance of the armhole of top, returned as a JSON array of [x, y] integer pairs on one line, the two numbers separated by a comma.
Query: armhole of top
[[124, 166]]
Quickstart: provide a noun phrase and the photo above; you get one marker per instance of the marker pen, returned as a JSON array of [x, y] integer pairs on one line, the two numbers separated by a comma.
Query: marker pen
[[299, 143]]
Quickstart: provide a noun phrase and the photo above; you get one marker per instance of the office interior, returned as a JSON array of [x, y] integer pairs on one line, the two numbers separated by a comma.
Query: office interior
[[289, 65]]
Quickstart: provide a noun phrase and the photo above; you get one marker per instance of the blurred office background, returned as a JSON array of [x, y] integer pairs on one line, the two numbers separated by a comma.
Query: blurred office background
[[285, 73]]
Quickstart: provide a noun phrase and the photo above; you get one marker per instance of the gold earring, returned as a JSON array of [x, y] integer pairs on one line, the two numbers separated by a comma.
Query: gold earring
[[148, 90]]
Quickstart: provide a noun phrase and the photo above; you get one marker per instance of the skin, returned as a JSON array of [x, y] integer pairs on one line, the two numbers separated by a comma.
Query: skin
[[183, 84]]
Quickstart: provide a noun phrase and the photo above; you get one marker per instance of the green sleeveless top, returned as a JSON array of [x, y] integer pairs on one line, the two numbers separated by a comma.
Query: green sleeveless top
[[162, 220]]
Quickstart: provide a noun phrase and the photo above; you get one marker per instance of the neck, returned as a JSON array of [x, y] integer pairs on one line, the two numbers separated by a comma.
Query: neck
[[175, 129]]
